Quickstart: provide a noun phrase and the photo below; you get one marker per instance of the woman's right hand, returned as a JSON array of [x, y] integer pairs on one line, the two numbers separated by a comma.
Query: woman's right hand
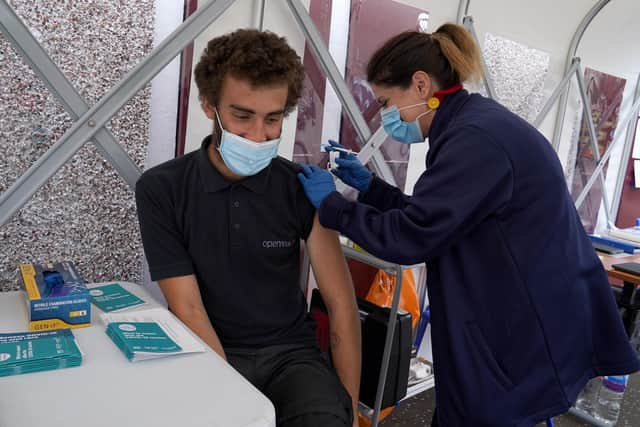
[[350, 170]]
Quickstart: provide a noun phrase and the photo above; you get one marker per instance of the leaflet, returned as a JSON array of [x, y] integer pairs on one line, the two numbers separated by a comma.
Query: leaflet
[[26, 352], [113, 297], [149, 334]]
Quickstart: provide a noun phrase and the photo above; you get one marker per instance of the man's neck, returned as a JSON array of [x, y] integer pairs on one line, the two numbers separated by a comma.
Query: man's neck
[[216, 160]]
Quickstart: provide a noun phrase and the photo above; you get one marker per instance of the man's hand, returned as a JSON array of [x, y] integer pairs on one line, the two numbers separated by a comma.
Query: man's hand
[[317, 183], [183, 297]]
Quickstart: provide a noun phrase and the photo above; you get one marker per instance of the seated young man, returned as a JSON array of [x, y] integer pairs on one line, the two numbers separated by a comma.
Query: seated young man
[[221, 229]]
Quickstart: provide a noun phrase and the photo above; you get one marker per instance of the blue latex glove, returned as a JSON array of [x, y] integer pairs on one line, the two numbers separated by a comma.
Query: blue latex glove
[[53, 281], [350, 170], [317, 183]]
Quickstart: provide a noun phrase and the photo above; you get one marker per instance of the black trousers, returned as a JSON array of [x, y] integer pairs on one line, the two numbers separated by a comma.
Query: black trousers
[[304, 389]]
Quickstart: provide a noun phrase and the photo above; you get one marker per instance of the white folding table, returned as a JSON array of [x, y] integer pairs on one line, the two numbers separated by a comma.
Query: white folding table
[[191, 390]]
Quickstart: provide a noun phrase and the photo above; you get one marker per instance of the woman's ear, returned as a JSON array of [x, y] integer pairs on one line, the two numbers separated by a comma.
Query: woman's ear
[[422, 81], [207, 108]]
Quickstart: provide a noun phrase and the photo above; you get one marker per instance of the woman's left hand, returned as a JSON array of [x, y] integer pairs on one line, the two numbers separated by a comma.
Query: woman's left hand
[[317, 183]]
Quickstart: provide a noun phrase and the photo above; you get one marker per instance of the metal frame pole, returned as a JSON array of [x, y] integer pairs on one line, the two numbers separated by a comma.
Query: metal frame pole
[[587, 418], [95, 118], [371, 152], [463, 10], [467, 21], [391, 324], [373, 145], [388, 343], [556, 93], [258, 14], [571, 53], [32, 52], [593, 139]]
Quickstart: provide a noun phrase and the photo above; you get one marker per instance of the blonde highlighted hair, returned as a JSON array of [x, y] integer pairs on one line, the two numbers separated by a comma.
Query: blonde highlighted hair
[[450, 56]]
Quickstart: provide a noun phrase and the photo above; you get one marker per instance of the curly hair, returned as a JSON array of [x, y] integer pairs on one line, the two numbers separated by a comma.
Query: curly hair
[[261, 57]]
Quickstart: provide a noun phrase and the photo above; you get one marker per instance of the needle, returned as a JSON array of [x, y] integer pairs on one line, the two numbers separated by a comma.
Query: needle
[[328, 148]]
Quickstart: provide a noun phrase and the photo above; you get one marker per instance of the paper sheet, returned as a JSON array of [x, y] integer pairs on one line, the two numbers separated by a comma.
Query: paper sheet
[[178, 332]]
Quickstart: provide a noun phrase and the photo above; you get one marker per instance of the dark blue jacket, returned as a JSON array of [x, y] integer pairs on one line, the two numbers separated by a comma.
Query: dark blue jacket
[[522, 313]]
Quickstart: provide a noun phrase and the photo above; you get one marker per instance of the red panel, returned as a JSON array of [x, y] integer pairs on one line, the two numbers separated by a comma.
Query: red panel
[[371, 23], [186, 63], [629, 208], [306, 149], [605, 92]]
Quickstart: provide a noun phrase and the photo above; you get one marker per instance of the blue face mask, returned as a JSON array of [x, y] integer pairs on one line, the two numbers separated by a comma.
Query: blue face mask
[[398, 129], [243, 156]]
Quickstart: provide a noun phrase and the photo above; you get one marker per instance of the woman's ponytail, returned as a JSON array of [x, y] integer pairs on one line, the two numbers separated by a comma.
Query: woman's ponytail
[[450, 56], [461, 50]]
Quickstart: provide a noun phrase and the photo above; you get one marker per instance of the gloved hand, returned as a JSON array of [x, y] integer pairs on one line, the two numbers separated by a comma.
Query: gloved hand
[[317, 183], [350, 170]]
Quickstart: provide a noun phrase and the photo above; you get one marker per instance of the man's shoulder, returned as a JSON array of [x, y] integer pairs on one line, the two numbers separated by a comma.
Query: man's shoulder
[[286, 167], [170, 169], [286, 172]]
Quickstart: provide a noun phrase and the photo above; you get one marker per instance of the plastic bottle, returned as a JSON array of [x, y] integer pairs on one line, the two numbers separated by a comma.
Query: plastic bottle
[[588, 397], [610, 397], [422, 326]]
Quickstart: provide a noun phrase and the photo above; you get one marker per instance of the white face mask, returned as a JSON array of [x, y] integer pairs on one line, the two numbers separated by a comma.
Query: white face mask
[[243, 156]]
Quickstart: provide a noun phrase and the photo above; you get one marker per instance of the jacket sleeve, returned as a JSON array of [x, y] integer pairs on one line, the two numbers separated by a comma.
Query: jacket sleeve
[[383, 196], [470, 179]]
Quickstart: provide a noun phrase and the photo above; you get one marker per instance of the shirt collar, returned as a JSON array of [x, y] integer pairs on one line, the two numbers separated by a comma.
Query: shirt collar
[[446, 113], [213, 181]]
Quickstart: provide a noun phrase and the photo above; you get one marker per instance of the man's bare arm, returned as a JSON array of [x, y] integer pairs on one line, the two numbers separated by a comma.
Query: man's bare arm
[[183, 296], [334, 281]]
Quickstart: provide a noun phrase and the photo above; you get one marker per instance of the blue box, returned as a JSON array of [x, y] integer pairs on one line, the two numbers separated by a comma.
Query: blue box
[[56, 296]]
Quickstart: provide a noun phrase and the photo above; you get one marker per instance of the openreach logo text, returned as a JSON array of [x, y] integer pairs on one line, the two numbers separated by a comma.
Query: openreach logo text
[[277, 244]]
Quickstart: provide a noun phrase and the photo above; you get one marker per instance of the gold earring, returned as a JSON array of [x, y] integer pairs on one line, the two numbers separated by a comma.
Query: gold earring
[[433, 103]]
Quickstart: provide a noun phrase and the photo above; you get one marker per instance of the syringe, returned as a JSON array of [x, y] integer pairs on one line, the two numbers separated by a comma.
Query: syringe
[[328, 148], [334, 152]]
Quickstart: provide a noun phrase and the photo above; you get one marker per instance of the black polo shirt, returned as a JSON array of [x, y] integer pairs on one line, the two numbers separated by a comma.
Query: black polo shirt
[[241, 240]]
